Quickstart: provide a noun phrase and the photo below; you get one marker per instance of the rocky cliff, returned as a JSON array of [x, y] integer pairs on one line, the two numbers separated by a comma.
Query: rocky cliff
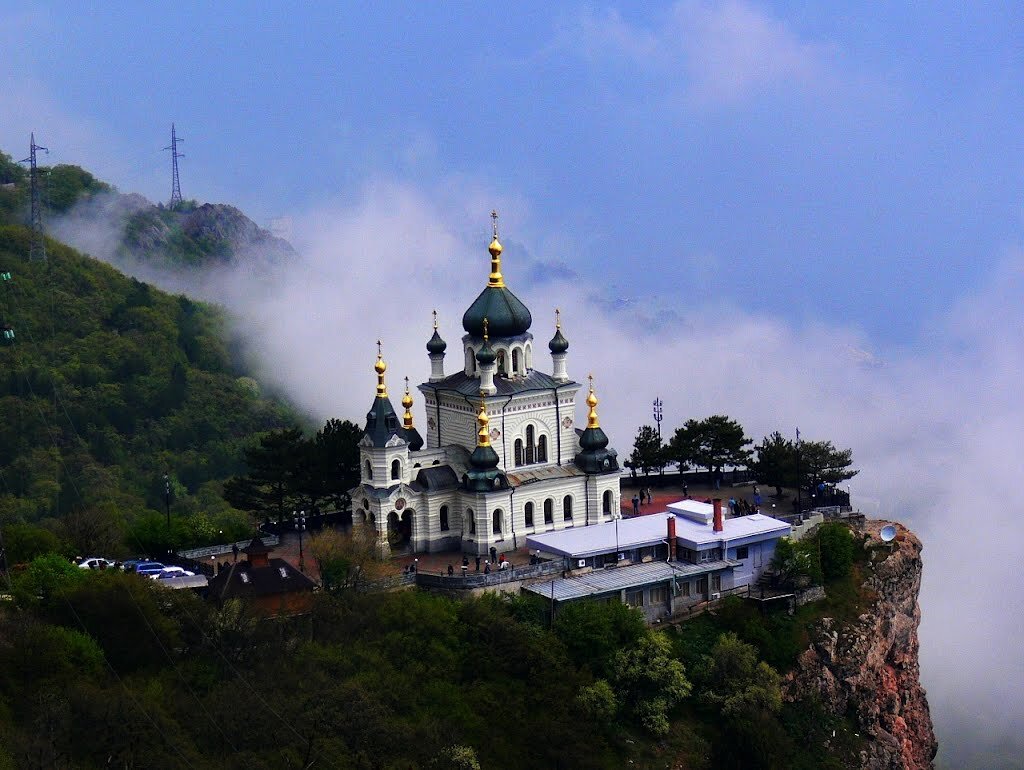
[[867, 670]]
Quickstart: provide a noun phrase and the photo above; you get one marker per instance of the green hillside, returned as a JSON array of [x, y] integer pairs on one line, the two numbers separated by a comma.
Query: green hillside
[[144, 385]]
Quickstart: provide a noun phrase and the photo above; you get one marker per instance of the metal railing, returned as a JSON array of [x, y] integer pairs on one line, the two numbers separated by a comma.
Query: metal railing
[[471, 580], [213, 550]]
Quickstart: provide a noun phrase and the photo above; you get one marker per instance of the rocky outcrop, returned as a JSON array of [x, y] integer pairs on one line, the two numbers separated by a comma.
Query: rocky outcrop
[[867, 669]]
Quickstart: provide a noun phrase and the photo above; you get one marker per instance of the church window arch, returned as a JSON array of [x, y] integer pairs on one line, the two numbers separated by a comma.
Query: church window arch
[[519, 452], [369, 470], [567, 508], [542, 449], [502, 363], [470, 360], [528, 355], [517, 360], [496, 521], [471, 520], [606, 501], [444, 517], [396, 469], [530, 444], [549, 511], [528, 514]]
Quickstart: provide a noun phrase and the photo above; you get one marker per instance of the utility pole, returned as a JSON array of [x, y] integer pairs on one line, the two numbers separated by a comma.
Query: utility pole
[[167, 506], [175, 184], [37, 247], [799, 480]]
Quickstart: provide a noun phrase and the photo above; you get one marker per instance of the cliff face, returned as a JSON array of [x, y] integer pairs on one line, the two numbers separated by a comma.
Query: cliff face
[[868, 669]]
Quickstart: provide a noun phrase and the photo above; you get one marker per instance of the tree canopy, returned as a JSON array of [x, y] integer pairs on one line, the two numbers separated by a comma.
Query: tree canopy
[[648, 451], [713, 443]]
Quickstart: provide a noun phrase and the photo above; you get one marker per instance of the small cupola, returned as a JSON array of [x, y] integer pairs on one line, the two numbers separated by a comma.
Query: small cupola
[[594, 455]]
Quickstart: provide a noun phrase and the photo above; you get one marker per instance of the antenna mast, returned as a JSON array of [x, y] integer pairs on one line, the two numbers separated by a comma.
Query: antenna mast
[[175, 183], [37, 247]]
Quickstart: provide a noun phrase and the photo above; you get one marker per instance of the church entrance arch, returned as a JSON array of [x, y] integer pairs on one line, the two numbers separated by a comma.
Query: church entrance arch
[[400, 528]]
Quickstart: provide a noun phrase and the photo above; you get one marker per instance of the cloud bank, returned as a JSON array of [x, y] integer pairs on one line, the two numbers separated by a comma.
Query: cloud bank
[[935, 429]]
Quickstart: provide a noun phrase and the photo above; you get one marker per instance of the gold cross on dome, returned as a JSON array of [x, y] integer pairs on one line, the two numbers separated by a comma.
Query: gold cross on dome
[[494, 221], [379, 354], [435, 319]]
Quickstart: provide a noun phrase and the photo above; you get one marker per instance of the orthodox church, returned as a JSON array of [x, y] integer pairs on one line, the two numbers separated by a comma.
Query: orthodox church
[[502, 458]]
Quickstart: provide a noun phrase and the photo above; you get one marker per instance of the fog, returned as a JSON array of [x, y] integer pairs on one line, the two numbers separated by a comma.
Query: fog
[[935, 427]]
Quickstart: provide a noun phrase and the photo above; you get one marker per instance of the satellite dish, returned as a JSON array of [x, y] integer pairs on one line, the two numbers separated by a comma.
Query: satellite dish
[[888, 533]]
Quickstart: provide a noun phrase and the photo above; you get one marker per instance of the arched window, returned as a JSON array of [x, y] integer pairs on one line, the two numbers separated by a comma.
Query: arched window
[[369, 470], [530, 441], [517, 358], [528, 514], [502, 362], [549, 511], [396, 469], [519, 452], [567, 507], [444, 517], [471, 520], [542, 449], [529, 357], [606, 501], [470, 360], [496, 521]]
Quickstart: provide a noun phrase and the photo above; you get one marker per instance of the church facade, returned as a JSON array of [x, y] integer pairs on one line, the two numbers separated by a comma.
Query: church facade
[[502, 458]]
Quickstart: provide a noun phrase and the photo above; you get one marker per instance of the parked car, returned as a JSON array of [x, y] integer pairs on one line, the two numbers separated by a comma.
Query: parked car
[[172, 572], [97, 562], [148, 568], [130, 564]]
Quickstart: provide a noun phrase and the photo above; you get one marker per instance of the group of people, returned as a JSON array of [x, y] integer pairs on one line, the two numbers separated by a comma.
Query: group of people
[[638, 500], [497, 559]]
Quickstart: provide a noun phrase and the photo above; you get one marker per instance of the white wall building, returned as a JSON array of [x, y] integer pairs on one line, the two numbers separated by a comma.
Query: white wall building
[[502, 458]]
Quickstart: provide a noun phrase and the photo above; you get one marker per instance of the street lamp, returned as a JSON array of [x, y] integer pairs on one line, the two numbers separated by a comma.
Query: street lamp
[[167, 506], [300, 526]]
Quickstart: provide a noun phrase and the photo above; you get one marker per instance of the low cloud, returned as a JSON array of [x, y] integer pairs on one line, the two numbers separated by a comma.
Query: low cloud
[[935, 429]]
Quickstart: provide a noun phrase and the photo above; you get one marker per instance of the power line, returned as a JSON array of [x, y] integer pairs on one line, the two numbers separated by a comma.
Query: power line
[[175, 183], [37, 247]]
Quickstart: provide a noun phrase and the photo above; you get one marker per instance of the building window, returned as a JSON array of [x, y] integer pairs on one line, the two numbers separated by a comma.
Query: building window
[[471, 520], [684, 588], [519, 452], [635, 598], [549, 511], [606, 501], [712, 554], [502, 363], [567, 508], [542, 449], [396, 469], [516, 360], [702, 585], [528, 514], [659, 595], [742, 552], [496, 521], [444, 517], [716, 582], [530, 439], [369, 470]]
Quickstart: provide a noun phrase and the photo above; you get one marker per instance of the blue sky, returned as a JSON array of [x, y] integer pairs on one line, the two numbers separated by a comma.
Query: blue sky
[[823, 159], [805, 214]]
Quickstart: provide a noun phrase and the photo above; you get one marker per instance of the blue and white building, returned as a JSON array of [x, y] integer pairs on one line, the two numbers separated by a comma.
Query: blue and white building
[[661, 563]]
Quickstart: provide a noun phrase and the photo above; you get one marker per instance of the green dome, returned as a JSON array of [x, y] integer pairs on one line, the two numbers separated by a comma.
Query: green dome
[[435, 344], [506, 315], [486, 355], [558, 344]]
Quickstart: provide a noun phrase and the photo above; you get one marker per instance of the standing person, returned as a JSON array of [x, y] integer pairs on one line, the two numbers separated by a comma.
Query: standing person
[[636, 505], [451, 570], [487, 568], [650, 500], [686, 489], [494, 555], [478, 562], [465, 565]]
